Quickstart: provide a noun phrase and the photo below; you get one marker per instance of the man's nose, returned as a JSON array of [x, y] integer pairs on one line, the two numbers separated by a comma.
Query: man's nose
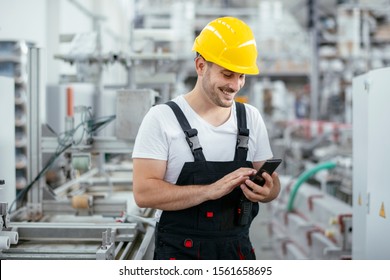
[[236, 84]]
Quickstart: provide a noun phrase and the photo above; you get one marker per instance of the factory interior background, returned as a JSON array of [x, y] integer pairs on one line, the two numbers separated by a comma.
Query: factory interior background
[[66, 171]]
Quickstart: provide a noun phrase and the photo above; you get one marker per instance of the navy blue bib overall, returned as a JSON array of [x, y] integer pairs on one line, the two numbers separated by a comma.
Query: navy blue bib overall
[[209, 230]]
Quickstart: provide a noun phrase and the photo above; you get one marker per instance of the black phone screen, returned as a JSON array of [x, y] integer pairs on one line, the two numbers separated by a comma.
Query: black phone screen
[[269, 166]]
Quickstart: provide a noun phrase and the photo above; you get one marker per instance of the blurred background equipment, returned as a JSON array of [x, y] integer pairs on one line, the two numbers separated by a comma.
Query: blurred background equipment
[[77, 77]]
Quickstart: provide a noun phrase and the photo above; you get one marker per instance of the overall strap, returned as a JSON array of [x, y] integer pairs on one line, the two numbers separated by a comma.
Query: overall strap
[[190, 133], [243, 133]]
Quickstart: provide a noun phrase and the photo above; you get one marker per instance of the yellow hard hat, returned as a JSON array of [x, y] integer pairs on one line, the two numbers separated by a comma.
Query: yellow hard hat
[[230, 43]]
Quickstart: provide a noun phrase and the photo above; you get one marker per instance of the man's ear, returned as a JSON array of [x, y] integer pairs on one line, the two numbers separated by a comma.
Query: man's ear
[[200, 65]]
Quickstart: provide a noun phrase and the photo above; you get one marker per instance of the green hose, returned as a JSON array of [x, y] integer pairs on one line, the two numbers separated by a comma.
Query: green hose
[[303, 177]]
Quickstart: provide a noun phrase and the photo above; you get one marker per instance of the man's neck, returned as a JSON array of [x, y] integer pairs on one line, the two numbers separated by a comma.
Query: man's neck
[[206, 109]]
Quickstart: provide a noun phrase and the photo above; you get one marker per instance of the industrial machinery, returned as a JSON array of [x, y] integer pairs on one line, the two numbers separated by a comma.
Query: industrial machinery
[[312, 217], [92, 214], [308, 222], [7, 235], [79, 202], [334, 201], [73, 195]]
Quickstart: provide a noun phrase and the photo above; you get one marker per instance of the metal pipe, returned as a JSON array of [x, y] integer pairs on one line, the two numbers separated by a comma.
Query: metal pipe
[[146, 241], [314, 74], [34, 131], [126, 251], [314, 79]]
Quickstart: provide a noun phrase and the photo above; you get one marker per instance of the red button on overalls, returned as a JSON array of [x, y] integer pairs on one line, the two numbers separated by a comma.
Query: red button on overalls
[[188, 243], [210, 214]]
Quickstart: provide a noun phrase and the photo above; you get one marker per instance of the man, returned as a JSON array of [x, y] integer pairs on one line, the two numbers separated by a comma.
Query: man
[[194, 156]]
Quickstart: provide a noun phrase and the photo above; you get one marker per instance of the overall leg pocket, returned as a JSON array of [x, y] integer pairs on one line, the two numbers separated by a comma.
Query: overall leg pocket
[[245, 250], [170, 247], [237, 249]]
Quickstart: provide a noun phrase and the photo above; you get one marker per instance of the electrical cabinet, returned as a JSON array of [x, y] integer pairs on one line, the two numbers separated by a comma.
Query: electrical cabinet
[[359, 177], [371, 153]]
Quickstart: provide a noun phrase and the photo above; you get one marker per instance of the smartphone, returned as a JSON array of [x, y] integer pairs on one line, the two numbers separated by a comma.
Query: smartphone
[[269, 166]]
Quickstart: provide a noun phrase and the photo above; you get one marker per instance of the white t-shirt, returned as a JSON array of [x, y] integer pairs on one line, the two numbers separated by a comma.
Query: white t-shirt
[[161, 137]]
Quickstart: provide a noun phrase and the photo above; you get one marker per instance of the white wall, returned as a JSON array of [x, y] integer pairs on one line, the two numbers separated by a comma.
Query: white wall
[[23, 20], [7, 143], [42, 21]]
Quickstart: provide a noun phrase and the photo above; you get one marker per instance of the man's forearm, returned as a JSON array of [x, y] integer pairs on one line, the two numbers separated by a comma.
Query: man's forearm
[[159, 194]]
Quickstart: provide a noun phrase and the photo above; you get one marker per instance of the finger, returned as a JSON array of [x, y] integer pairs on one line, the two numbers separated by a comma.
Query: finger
[[248, 192], [240, 175], [255, 195], [275, 177], [267, 177], [234, 179], [246, 171]]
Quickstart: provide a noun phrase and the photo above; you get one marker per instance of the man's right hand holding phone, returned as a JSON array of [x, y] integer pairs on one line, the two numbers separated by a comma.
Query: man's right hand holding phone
[[265, 185]]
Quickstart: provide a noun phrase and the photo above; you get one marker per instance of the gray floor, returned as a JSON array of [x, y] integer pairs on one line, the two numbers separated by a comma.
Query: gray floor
[[259, 235]]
